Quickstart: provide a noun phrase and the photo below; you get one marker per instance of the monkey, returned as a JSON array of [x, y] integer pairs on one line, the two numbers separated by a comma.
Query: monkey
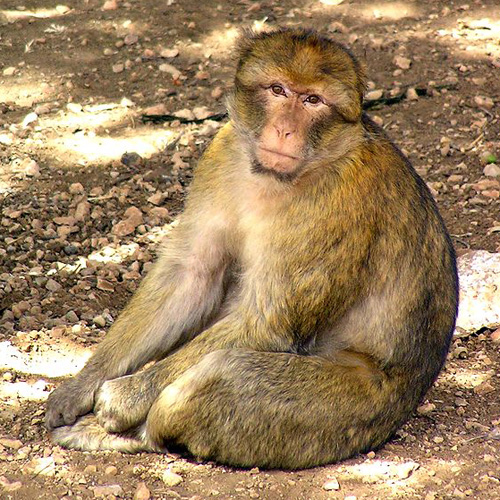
[[304, 304]]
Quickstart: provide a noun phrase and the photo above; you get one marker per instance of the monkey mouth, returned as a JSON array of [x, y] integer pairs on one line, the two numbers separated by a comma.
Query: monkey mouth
[[279, 153]]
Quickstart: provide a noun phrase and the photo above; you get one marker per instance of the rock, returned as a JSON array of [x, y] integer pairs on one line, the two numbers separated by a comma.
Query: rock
[[74, 107], [52, 285], [486, 184], [172, 70], [142, 492], [484, 388], [105, 285], [30, 168], [331, 485], [11, 70], [484, 102], [106, 490], [99, 321], [156, 199], [64, 221], [8, 486], [373, 95], [402, 62], [118, 68], [131, 39], [411, 94], [479, 291], [124, 228], [111, 470], [159, 212], [29, 118], [76, 188], [492, 170], [13, 444], [132, 159], [110, 5], [134, 215], [169, 53], [495, 336], [171, 478], [44, 466], [72, 317], [425, 409], [157, 109], [217, 93], [185, 113], [201, 112], [82, 210]]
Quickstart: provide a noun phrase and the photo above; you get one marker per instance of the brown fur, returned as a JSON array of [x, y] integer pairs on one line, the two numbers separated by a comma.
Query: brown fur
[[305, 303]]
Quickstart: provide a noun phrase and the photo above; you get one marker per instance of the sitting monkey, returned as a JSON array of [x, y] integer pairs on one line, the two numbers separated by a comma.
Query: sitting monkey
[[305, 303]]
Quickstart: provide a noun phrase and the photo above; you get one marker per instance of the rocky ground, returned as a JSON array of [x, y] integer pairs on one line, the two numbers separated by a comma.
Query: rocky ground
[[90, 184]]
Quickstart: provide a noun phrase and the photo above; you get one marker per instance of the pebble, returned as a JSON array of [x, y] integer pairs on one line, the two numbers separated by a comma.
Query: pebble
[[76, 188], [131, 39], [30, 167], [106, 490], [172, 70], [13, 444], [411, 94], [9, 486], [72, 317], [44, 466], [169, 53], [402, 62], [171, 478], [110, 5], [11, 70], [484, 388], [111, 470], [492, 170], [484, 102], [118, 68], [495, 336], [331, 485], [142, 492], [373, 95], [99, 321], [52, 285]]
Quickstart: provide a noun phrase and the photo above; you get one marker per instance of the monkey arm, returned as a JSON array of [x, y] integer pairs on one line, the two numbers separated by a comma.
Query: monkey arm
[[179, 296]]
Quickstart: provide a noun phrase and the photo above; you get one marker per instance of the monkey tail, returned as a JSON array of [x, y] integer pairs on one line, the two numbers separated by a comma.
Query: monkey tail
[[87, 435]]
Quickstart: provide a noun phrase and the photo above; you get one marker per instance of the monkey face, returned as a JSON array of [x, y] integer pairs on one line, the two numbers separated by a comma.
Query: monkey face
[[293, 91]]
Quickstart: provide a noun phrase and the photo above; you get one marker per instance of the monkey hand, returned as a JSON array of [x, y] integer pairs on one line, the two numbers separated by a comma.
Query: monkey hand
[[123, 403], [70, 400]]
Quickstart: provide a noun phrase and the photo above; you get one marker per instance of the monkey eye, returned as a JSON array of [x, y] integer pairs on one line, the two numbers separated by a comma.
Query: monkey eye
[[278, 90], [313, 99]]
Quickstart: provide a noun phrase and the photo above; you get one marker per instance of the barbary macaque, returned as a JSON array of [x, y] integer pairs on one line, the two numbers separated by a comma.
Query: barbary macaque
[[305, 303]]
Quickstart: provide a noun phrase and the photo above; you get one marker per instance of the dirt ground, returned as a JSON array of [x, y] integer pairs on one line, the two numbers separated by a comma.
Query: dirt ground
[[79, 83]]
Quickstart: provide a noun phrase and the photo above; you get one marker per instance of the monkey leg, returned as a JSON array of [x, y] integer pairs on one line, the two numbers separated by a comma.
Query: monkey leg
[[277, 410]]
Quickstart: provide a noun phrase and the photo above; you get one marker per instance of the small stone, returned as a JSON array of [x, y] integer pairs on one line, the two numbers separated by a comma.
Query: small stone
[[411, 94], [495, 336], [169, 53], [331, 485], [52, 285], [484, 102], [118, 68], [111, 470], [156, 199], [105, 285], [402, 62], [157, 109], [106, 490], [74, 107], [171, 478], [82, 210], [44, 466], [72, 317], [131, 39], [13, 444], [43, 109], [373, 95], [29, 118], [110, 5], [132, 159], [8, 486], [64, 221], [201, 112], [90, 469], [492, 170], [76, 188], [370, 455], [484, 388], [438, 439], [172, 70], [185, 113], [11, 70], [142, 492], [30, 168], [426, 408], [159, 212], [124, 228], [99, 321], [134, 215]]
